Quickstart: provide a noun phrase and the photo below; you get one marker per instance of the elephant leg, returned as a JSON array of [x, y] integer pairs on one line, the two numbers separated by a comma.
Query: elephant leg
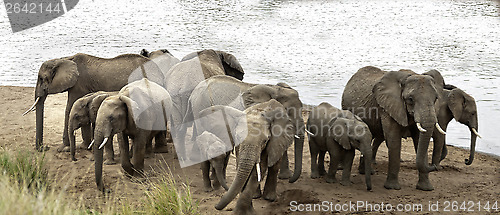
[[444, 152], [110, 153], [375, 145], [139, 150], [314, 151], [149, 147], [285, 172], [346, 172], [335, 158], [244, 204], [205, 170], [321, 163], [271, 183], [72, 97], [124, 154], [438, 149], [86, 136], [161, 142], [392, 134]]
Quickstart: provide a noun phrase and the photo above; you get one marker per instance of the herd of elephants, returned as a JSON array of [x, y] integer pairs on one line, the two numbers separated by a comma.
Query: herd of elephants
[[211, 112]]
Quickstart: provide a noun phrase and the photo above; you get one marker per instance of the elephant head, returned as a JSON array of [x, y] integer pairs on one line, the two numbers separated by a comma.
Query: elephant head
[[353, 133], [408, 97], [214, 150], [78, 116], [289, 98], [464, 110], [270, 133], [229, 63], [54, 76]]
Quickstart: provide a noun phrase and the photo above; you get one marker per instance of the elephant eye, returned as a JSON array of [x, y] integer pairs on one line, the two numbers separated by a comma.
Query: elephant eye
[[410, 100]]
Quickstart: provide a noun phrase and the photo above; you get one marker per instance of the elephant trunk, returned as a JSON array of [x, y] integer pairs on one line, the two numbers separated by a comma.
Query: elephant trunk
[[245, 167], [423, 145], [98, 157], [71, 133], [219, 172], [299, 147], [39, 123], [473, 137], [367, 155]]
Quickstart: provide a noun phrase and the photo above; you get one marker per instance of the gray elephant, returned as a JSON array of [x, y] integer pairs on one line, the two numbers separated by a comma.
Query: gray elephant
[[455, 104], [393, 104], [339, 132], [225, 90], [183, 78], [83, 113], [139, 112], [270, 133], [79, 75], [216, 155], [225, 124]]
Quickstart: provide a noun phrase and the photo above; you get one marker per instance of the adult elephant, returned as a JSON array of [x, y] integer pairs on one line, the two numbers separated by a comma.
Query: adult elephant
[[270, 133], [183, 78], [139, 112], [224, 90], [79, 75], [393, 104]]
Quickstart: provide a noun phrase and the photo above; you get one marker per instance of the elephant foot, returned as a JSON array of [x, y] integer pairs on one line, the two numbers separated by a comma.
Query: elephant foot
[[424, 183], [161, 149], [208, 189], [392, 185], [110, 162], [63, 148], [346, 182], [315, 175], [270, 196], [322, 171], [331, 180], [285, 174]]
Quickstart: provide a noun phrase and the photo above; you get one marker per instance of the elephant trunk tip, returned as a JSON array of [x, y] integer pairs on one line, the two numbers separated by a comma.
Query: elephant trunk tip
[[469, 161]]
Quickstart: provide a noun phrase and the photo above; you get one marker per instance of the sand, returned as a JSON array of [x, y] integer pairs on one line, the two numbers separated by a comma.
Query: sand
[[454, 185]]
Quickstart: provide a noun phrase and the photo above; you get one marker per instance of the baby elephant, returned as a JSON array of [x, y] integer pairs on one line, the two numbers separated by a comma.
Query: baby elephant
[[216, 156], [339, 132], [82, 115]]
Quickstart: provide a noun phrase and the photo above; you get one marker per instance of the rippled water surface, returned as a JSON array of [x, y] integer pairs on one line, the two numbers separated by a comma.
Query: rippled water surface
[[315, 46]]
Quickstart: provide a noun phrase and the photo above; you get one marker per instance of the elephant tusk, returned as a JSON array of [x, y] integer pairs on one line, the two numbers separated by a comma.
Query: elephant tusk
[[475, 132], [258, 172], [310, 133], [297, 137], [440, 129], [90, 145], [420, 128], [32, 108], [103, 143]]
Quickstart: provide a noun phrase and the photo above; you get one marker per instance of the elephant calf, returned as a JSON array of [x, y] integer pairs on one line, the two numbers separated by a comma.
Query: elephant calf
[[339, 132], [83, 115]]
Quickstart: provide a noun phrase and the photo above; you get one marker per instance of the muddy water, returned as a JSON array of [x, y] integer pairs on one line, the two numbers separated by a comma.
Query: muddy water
[[315, 46]]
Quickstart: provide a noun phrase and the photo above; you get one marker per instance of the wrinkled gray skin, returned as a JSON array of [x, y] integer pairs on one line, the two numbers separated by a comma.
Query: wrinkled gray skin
[[339, 132], [270, 133], [80, 74], [214, 151], [220, 125], [224, 90], [456, 104], [183, 78], [83, 113], [391, 103], [139, 112]]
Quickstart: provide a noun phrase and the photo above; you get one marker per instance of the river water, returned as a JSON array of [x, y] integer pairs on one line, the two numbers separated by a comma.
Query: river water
[[314, 46]]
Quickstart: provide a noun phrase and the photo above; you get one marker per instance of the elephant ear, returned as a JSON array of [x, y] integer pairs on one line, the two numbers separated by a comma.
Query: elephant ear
[[438, 82], [95, 104], [282, 131], [339, 131], [258, 94], [132, 108], [232, 66], [65, 74], [456, 101], [388, 92]]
